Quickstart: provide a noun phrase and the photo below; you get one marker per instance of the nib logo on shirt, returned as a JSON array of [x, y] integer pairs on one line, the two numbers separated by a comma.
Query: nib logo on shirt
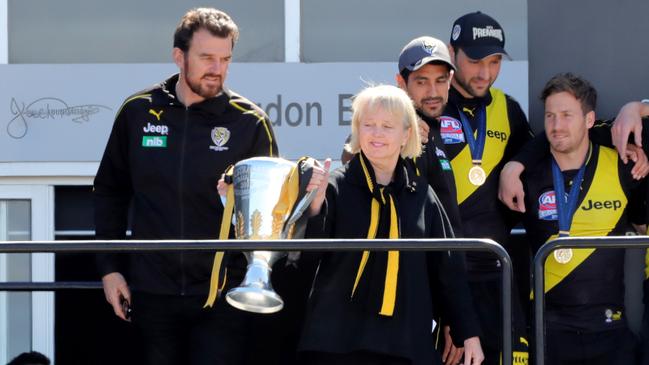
[[159, 140], [154, 141]]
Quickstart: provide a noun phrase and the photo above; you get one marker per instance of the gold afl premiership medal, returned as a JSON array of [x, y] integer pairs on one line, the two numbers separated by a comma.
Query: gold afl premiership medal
[[477, 176], [563, 255]]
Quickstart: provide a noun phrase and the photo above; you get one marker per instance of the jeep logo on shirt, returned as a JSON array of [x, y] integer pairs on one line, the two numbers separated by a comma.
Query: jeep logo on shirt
[[152, 128], [606, 204], [502, 136]]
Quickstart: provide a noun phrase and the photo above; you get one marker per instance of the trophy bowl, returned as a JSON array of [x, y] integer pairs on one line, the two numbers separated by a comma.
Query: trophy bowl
[[266, 207]]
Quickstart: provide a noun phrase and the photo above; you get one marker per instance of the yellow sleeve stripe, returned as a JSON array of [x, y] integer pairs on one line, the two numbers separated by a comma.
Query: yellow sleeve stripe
[[259, 118], [136, 97]]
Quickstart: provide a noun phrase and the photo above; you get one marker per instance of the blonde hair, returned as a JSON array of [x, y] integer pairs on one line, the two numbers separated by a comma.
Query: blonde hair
[[394, 101]]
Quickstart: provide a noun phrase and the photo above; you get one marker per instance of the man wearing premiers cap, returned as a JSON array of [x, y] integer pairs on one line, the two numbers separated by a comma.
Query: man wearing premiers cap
[[482, 128], [425, 73]]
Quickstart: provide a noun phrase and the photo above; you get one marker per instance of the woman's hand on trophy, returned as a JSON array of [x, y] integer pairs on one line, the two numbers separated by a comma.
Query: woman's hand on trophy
[[319, 180]]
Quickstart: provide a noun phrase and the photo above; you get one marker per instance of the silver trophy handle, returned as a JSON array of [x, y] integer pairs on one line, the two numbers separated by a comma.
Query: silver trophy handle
[[301, 206]]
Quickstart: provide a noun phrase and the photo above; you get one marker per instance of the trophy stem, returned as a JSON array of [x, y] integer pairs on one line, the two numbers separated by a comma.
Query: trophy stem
[[256, 292]]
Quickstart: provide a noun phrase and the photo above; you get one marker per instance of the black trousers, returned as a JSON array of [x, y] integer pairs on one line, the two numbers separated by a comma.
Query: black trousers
[[176, 330], [353, 358], [488, 304], [644, 335], [613, 347], [274, 337]]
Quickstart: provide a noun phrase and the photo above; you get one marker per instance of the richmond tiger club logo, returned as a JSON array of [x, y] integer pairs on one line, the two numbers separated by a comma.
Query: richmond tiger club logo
[[548, 206], [220, 136], [429, 47]]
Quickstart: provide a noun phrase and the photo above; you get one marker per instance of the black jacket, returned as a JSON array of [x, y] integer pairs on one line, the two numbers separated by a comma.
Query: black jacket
[[435, 166], [337, 324], [165, 159]]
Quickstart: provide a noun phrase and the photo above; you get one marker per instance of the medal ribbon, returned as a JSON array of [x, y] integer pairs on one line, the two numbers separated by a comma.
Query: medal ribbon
[[476, 144], [566, 206]]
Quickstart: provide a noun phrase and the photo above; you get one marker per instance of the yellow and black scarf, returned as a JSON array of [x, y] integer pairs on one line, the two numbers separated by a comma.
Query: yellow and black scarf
[[382, 199]]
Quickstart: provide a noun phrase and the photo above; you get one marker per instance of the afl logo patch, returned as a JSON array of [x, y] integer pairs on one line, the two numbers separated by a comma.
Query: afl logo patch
[[451, 130], [548, 206]]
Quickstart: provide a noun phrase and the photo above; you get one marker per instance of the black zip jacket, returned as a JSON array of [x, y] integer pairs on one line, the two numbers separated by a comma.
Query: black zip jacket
[[435, 166], [165, 159]]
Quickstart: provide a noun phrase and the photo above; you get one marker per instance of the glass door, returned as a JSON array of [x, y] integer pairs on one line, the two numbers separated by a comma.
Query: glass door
[[26, 319]]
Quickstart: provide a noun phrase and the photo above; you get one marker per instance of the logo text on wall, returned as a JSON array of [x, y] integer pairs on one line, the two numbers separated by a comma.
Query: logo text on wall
[[47, 108]]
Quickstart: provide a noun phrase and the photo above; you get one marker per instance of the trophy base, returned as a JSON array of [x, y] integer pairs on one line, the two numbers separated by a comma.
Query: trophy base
[[255, 300]]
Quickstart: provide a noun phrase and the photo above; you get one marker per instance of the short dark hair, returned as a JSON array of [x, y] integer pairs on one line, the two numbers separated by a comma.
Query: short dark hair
[[405, 73], [30, 358], [576, 86], [217, 22]]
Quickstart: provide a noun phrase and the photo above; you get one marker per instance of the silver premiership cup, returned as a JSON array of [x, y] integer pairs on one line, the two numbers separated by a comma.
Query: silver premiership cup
[[262, 213]]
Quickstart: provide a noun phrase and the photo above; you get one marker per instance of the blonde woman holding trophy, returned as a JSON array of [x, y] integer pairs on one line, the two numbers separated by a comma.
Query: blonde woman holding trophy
[[375, 307]]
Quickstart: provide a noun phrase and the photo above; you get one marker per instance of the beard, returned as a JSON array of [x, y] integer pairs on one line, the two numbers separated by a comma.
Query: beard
[[199, 89], [467, 87], [431, 113]]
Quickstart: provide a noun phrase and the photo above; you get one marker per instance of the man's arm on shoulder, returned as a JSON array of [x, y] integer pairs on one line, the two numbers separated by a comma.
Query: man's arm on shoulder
[[510, 188], [520, 130], [602, 133], [629, 121]]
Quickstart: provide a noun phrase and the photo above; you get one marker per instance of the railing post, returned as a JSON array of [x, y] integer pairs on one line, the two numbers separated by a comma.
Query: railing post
[[615, 242], [507, 307]]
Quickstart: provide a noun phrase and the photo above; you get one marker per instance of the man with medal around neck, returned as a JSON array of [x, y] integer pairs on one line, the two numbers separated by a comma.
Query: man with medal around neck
[[584, 288], [482, 128]]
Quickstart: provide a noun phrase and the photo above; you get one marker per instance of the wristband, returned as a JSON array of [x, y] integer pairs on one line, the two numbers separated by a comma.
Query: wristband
[[644, 101]]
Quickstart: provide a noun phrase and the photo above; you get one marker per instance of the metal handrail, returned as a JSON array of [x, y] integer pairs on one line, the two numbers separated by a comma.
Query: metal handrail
[[132, 246], [539, 274]]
